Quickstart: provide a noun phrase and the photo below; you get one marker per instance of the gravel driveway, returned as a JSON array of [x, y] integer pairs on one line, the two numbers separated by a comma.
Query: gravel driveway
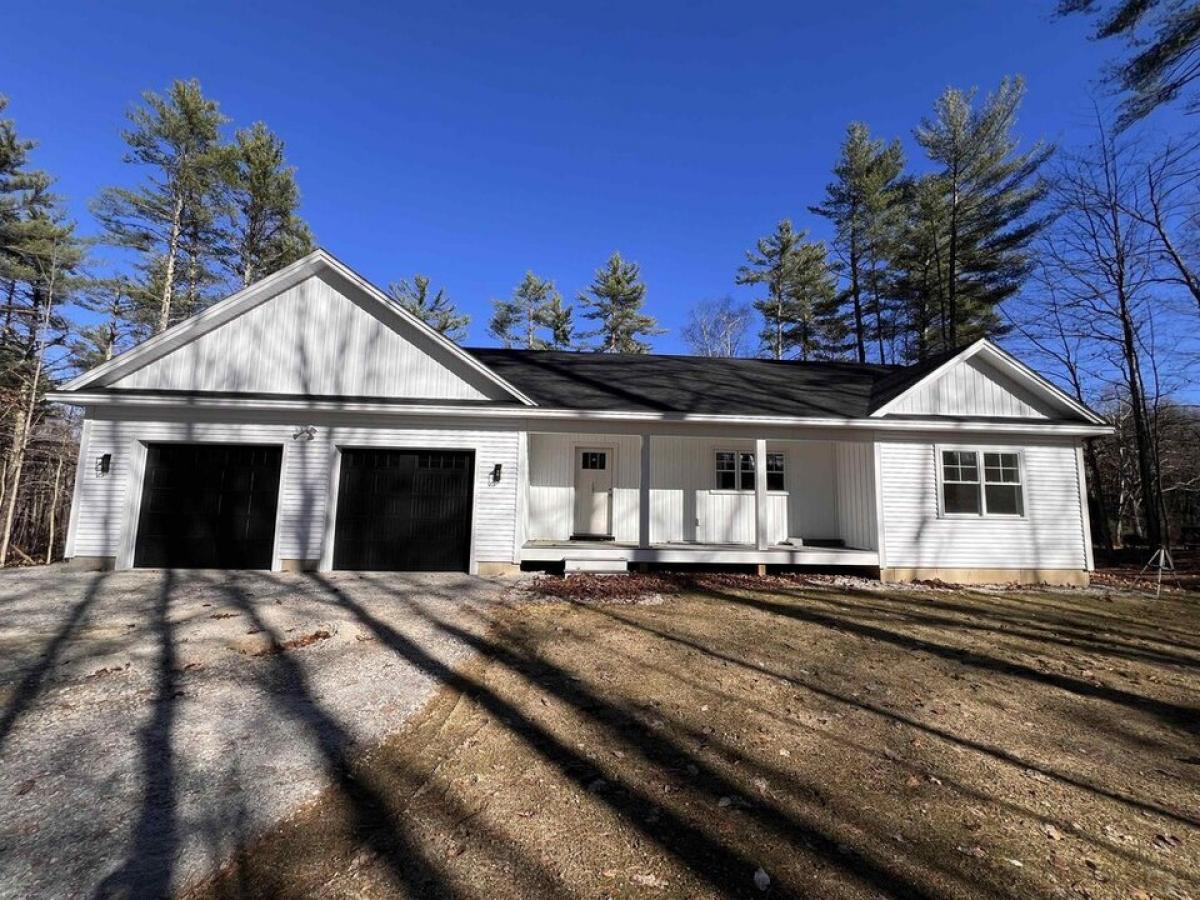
[[151, 722]]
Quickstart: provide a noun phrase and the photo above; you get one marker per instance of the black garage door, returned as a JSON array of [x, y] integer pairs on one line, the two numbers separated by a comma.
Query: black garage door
[[404, 510], [208, 506]]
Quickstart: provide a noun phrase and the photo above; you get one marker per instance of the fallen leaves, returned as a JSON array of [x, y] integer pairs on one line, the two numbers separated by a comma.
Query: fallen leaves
[[295, 643]]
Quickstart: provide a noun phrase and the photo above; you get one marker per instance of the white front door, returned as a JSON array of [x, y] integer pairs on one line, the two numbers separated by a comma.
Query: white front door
[[593, 491]]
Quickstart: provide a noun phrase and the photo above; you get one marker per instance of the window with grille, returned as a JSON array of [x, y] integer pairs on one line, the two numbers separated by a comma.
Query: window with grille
[[993, 489], [735, 471], [594, 460]]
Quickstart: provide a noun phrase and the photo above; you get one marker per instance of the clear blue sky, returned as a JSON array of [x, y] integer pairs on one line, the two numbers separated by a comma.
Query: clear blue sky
[[470, 142]]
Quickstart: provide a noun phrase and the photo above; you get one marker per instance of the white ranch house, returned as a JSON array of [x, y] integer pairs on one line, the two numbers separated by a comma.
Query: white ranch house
[[307, 422]]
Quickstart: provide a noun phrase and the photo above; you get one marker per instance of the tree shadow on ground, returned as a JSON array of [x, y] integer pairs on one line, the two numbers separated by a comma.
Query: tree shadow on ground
[[149, 866], [1176, 715], [30, 687], [1058, 628], [994, 752], [881, 753], [719, 864]]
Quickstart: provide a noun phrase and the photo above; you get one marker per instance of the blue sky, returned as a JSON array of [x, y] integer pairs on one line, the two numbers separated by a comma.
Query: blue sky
[[472, 142]]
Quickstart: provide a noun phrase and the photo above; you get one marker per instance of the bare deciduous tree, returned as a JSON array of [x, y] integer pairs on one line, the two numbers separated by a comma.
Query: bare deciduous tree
[[718, 327]]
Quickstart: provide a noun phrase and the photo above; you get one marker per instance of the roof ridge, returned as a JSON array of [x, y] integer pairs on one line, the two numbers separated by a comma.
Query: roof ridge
[[523, 351]]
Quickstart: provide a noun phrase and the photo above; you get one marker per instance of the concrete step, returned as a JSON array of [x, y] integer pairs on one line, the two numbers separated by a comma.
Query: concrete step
[[609, 566]]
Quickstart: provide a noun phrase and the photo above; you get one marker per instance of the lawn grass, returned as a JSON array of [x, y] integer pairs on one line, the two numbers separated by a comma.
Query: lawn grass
[[813, 739]]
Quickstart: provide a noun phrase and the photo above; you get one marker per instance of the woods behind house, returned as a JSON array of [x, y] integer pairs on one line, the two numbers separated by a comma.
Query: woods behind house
[[1084, 259]]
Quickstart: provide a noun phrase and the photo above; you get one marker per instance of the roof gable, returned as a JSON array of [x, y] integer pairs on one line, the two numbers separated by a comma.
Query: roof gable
[[312, 329], [981, 381]]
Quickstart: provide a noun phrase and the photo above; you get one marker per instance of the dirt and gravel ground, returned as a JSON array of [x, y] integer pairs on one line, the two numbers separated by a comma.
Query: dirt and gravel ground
[[733, 737], [152, 723]]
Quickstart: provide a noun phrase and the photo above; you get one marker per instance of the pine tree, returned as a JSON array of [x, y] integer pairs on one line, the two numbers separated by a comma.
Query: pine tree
[[990, 192], [800, 311], [534, 305], [264, 232], [177, 136], [773, 264], [815, 326], [1163, 37], [861, 203], [916, 270], [560, 321], [435, 309], [39, 254], [109, 299], [614, 301]]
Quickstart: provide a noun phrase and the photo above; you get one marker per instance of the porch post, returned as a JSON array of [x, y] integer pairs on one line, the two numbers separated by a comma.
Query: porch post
[[644, 495], [760, 493]]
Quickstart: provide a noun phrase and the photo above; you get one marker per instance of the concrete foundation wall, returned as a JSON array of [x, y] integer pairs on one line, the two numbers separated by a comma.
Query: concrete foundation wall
[[1061, 577], [92, 563]]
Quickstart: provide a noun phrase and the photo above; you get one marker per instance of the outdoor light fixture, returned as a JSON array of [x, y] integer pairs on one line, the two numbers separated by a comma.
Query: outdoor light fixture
[[496, 469], [103, 464], [305, 433]]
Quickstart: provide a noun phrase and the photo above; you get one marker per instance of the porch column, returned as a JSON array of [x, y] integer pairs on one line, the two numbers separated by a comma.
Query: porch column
[[760, 493], [644, 495]]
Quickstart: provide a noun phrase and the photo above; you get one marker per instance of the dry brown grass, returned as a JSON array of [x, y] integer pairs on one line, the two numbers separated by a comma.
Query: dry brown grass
[[848, 741]]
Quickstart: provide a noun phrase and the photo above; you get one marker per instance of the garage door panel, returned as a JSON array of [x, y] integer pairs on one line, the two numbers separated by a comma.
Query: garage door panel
[[208, 506], [404, 510]]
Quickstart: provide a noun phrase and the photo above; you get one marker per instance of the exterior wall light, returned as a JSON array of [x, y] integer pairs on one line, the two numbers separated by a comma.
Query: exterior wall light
[[496, 470], [305, 433], [103, 465]]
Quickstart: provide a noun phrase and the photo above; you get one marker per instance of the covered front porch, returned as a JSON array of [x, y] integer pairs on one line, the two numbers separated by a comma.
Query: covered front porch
[[674, 499]]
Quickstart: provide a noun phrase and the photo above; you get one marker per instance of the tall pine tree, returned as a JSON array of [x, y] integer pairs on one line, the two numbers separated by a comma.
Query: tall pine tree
[[614, 301], [560, 321], [264, 231], [815, 326], [519, 321], [177, 137], [990, 192], [39, 255], [861, 203], [772, 264], [800, 310], [434, 308]]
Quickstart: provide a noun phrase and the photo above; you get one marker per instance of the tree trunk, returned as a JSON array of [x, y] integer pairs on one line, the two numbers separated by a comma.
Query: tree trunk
[[1102, 534], [53, 506], [1141, 432], [17, 456], [860, 343], [952, 264], [164, 308]]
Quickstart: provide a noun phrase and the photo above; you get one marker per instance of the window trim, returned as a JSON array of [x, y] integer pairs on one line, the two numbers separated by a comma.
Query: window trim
[[737, 471], [979, 451]]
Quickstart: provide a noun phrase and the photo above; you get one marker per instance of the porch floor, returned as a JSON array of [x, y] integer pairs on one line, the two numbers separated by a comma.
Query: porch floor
[[681, 552]]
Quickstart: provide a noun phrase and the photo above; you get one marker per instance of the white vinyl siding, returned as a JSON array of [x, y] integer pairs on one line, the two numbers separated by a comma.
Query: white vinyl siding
[[104, 508], [1049, 536], [316, 339], [973, 388]]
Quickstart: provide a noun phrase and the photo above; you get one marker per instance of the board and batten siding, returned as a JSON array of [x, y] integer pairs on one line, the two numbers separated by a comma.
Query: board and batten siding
[[972, 388], [551, 498], [314, 339], [106, 504], [685, 505], [1049, 536], [856, 495]]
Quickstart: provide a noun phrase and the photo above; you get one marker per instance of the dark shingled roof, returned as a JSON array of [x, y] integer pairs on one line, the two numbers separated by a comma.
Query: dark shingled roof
[[697, 384]]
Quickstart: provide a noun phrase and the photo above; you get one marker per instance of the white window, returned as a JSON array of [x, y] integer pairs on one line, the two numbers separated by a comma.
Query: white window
[[993, 489], [735, 471]]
